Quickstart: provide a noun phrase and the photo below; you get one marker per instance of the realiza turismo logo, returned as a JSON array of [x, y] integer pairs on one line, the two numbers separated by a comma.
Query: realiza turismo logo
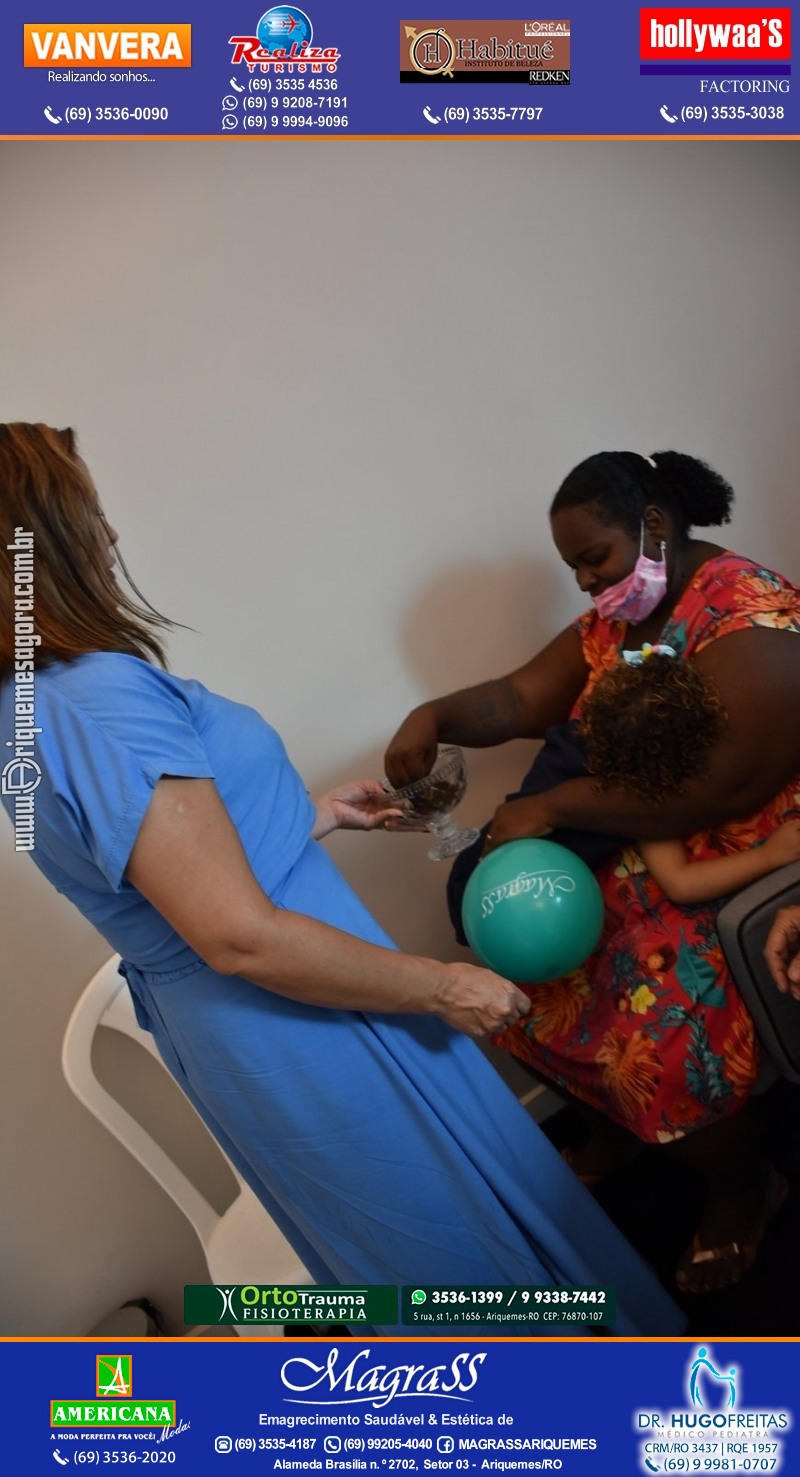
[[738, 40], [283, 43]]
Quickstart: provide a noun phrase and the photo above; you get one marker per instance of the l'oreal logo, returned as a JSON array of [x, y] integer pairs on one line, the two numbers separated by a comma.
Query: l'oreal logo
[[107, 46], [360, 1383]]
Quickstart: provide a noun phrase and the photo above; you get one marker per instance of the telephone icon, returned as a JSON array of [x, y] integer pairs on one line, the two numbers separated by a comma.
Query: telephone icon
[[665, 113], [62, 1460], [235, 86], [430, 117], [53, 118]]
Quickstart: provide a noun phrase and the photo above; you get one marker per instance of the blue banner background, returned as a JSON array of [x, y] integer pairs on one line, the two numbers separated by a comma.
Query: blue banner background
[[607, 94]]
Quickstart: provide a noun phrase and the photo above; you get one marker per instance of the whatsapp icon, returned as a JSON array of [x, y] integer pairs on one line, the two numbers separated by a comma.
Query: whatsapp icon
[[418, 1296]]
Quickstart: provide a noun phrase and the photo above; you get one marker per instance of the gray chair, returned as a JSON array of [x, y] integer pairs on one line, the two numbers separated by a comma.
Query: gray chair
[[743, 924]]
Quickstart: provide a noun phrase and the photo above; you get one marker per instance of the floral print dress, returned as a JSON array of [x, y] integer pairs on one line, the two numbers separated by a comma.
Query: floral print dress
[[651, 1029]]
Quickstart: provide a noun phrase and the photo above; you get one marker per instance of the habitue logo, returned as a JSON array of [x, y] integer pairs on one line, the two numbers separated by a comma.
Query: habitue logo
[[107, 45], [535, 53], [737, 38]]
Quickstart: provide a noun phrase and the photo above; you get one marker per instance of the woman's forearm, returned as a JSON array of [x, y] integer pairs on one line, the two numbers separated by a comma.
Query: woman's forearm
[[478, 717], [302, 959], [687, 881], [578, 803]]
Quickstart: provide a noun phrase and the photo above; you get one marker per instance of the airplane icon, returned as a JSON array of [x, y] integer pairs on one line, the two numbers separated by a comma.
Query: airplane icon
[[290, 24]]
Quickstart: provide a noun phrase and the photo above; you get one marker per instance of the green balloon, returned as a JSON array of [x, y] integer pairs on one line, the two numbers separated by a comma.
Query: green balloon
[[532, 911]]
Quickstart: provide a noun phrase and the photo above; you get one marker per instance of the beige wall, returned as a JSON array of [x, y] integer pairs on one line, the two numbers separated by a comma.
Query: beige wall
[[327, 391]]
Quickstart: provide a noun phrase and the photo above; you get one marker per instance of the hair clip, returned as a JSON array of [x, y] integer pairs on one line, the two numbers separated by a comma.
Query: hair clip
[[650, 459], [637, 658]]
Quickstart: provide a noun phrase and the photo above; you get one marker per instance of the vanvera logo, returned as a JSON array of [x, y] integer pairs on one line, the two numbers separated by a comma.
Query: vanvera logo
[[359, 1382], [107, 45]]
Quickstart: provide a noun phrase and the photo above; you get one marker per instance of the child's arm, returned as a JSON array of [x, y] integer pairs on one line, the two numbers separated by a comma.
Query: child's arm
[[685, 881]]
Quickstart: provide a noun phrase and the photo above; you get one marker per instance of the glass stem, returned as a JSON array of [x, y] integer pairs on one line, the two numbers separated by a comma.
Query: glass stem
[[444, 829]]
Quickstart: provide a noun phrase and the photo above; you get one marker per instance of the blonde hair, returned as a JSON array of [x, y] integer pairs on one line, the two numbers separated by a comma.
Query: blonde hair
[[79, 607]]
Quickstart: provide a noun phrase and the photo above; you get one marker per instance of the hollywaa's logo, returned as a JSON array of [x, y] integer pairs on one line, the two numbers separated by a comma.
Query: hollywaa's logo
[[718, 33], [283, 43], [359, 1382]]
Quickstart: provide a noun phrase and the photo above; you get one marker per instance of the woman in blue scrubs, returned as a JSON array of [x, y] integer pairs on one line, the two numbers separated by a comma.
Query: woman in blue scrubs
[[336, 1073]]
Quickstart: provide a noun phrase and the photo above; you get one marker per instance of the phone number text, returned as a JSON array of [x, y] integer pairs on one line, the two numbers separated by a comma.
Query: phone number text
[[116, 115], [492, 115]]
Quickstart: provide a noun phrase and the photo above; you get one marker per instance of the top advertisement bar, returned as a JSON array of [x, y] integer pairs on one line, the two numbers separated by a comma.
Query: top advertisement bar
[[240, 70]]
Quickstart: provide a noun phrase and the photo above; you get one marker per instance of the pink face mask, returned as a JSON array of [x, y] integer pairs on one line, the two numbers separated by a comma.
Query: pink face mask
[[636, 597]]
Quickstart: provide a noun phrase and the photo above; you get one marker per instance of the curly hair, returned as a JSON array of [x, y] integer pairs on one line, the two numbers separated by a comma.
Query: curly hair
[[649, 729], [619, 485]]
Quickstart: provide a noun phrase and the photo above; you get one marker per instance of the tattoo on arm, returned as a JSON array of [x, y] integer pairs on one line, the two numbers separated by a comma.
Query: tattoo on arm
[[489, 716]]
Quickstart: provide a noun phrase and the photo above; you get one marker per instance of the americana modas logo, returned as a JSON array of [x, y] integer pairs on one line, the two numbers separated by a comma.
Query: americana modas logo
[[113, 1407]]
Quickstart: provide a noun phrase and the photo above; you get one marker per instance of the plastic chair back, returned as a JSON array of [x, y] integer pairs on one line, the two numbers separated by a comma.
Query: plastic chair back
[[241, 1245]]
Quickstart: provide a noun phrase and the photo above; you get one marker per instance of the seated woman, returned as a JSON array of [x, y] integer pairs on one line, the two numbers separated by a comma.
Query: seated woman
[[680, 1066], [335, 1072]]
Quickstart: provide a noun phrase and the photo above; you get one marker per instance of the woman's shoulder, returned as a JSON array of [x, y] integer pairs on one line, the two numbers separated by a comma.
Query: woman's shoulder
[[731, 593], [743, 580], [109, 674], [109, 688]]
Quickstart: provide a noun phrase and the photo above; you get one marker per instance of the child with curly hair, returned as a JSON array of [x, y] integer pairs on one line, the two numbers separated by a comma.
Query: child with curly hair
[[648, 727]]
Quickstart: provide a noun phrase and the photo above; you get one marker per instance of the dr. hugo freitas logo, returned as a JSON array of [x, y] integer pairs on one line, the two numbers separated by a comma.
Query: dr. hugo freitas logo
[[713, 1416]]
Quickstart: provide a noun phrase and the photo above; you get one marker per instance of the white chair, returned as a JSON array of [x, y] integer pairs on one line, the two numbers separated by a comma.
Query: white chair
[[243, 1244]]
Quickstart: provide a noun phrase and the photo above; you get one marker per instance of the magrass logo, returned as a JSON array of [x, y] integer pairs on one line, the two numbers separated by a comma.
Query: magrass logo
[[114, 1407], [732, 39], [357, 1381]]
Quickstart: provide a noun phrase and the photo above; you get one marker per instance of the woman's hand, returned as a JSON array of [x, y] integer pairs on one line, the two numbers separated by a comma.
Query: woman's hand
[[412, 752], [478, 1002], [361, 805], [515, 819], [782, 951]]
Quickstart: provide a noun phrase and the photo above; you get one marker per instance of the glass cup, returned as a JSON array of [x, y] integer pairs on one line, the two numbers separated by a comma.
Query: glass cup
[[432, 800]]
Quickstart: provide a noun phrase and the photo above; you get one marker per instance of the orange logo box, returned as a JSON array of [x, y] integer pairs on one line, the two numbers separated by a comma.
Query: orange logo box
[[117, 45]]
